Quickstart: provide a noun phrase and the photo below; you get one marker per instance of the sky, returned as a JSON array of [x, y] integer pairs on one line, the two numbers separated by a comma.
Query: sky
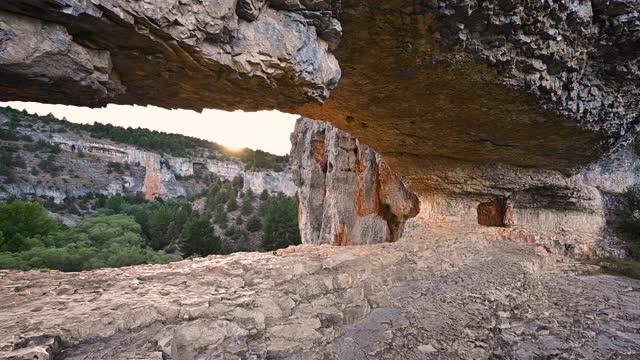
[[265, 130]]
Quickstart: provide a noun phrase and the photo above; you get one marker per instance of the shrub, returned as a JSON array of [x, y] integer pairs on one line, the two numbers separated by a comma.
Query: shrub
[[21, 220], [238, 182]]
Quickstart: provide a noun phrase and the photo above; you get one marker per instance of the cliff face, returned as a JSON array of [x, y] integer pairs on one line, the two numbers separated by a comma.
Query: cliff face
[[86, 167], [348, 195]]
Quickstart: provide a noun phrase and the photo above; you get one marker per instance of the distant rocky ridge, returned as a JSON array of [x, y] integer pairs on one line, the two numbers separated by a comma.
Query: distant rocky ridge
[[156, 175]]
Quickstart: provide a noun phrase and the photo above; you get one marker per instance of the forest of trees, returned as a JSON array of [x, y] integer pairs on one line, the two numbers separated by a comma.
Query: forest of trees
[[116, 231], [124, 231]]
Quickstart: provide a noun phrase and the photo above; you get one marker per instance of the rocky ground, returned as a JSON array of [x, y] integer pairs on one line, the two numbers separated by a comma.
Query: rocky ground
[[429, 296]]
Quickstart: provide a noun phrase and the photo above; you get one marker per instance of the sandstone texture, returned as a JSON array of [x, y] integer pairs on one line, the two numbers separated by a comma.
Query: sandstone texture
[[433, 297], [348, 195]]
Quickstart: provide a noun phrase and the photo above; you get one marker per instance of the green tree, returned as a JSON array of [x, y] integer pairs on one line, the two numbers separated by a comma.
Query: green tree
[[220, 216], [238, 182], [264, 195], [253, 224], [232, 204], [247, 206], [21, 220], [280, 223], [199, 238]]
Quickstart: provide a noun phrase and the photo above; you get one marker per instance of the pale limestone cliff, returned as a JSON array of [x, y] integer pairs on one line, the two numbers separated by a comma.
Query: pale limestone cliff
[[348, 195], [86, 161]]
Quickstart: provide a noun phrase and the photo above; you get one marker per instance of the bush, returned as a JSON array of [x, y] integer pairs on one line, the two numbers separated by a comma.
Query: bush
[[264, 195], [238, 182], [103, 241], [629, 227], [49, 166], [247, 206], [220, 216]]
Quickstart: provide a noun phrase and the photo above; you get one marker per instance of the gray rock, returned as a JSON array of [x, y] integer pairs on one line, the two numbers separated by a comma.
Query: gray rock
[[348, 195]]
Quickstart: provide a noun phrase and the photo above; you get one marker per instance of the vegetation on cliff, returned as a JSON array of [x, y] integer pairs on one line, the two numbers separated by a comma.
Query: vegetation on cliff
[[157, 141]]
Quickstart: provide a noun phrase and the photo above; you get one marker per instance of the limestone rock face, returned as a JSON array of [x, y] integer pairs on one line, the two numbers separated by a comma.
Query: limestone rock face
[[433, 297], [452, 84], [86, 162], [348, 195], [186, 54]]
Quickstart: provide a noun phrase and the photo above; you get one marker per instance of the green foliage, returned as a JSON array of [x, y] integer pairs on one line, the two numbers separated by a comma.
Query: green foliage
[[247, 206], [220, 215], [20, 221], [629, 226], [253, 224], [199, 238], [9, 135], [49, 166], [235, 239], [264, 195], [630, 268], [116, 167], [258, 159], [280, 223], [9, 161], [97, 242], [232, 204], [628, 229], [238, 182]]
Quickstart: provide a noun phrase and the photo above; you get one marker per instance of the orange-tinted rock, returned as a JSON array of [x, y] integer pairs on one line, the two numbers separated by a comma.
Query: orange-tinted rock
[[348, 195]]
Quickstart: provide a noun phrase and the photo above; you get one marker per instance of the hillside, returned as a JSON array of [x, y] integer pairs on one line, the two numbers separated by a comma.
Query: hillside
[[113, 160], [80, 197]]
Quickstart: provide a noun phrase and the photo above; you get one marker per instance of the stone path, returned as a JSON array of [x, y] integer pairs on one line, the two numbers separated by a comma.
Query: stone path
[[435, 297]]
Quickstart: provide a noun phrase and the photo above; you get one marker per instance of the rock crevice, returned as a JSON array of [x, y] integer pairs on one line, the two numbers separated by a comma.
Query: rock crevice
[[348, 195]]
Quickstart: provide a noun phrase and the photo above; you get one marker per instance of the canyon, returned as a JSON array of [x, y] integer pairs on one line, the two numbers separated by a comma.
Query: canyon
[[87, 160], [512, 122]]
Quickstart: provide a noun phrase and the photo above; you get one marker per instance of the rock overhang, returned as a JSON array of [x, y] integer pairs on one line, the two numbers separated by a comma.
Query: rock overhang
[[430, 85]]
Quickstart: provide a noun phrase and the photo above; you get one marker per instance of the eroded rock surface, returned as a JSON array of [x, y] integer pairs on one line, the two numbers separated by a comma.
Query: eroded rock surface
[[545, 85], [432, 297], [348, 195], [187, 54]]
